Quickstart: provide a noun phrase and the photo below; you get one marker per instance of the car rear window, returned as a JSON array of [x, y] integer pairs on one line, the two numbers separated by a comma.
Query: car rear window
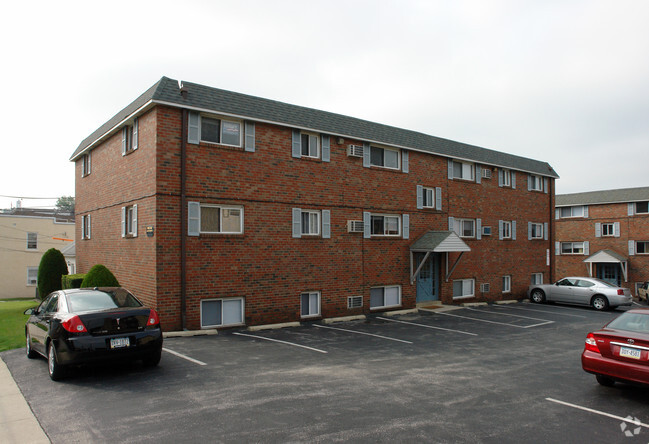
[[101, 300], [638, 322]]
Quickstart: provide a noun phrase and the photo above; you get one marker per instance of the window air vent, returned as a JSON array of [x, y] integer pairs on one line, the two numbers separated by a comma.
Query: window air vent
[[486, 231], [355, 302], [484, 288], [355, 151], [355, 226]]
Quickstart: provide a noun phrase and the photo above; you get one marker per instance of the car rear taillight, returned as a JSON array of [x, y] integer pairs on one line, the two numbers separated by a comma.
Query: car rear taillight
[[620, 292], [153, 319], [74, 325], [591, 344]]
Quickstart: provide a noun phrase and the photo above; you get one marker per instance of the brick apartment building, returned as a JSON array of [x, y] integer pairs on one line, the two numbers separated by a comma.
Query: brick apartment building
[[604, 234], [222, 209]]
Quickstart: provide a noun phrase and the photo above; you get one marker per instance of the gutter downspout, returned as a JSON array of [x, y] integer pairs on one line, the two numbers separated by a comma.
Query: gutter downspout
[[183, 221]]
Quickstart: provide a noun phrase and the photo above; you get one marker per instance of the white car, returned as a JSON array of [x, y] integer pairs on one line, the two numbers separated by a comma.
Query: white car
[[597, 293]]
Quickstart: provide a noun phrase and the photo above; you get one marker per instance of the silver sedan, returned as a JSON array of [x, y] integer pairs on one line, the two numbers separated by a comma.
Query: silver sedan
[[583, 291]]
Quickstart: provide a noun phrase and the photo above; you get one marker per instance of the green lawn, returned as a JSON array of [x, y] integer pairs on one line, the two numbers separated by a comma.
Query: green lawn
[[12, 322]]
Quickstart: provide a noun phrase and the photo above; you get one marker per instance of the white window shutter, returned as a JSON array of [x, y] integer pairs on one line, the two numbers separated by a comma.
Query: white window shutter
[[513, 230], [513, 179], [420, 197], [630, 208], [478, 229], [438, 198], [557, 248], [616, 229], [326, 224], [89, 160], [478, 173], [367, 229], [89, 226], [124, 139], [297, 222], [249, 142], [546, 184], [194, 128], [450, 169], [296, 144], [631, 248], [587, 248], [501, 179], [135, 220], [366, 155], [326, 148], [405, 163], [406, 226], [136, 126], [500, 230], [451, 224], [545, 230], [598, 229], [193, 218], [557, 213], [529, 231], [123, 221], [529, 182], [585, 210]]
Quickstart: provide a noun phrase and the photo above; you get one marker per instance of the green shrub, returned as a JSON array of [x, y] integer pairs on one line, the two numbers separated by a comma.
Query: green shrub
[[99, 276], [50, 270], [72, 280]]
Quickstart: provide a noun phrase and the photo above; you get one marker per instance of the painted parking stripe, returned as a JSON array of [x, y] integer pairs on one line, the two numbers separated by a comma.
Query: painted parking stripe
[[428, 326], [180, 355], [507, 314], [541, 311], [597, 412], [362, 333], [281, 342], [495, 322]]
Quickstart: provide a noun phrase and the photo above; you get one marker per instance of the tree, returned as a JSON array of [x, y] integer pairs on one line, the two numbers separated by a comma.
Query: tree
[[50, 270], [99, 276], [65, 204]]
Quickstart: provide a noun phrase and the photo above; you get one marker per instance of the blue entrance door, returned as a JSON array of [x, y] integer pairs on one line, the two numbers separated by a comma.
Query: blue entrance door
[[609, 273], [427, 278]]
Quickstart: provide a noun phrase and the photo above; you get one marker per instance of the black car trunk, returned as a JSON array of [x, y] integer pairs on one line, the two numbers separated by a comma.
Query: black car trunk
[[116, 321]]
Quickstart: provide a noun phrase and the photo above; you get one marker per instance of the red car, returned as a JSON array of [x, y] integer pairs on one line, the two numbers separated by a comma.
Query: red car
[[620, 350]]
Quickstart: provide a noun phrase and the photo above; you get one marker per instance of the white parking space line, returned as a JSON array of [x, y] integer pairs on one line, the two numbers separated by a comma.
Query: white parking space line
[[597, 412], [180, 355], [540, 311], [281, 342], [428, 326], [362, 333], [506, 314], [495, 322]]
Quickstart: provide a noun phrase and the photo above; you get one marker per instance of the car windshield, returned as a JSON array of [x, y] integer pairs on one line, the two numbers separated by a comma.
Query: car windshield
[[101, 300], [638, 322]]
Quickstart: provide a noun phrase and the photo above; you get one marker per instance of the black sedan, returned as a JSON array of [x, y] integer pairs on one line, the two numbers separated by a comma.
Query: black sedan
[[86, 325]]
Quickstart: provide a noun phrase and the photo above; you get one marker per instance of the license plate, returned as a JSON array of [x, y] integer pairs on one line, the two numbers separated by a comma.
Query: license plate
[[630, 353], [119, 343]]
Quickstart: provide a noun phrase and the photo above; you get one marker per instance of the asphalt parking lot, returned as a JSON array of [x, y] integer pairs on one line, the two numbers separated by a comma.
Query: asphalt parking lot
[[509, 373]]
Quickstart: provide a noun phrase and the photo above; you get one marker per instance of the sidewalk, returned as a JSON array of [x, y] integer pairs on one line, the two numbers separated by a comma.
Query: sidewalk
[[18, 424]]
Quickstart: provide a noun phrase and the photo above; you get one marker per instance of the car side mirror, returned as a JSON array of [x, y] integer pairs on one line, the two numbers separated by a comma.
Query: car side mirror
[[31, 311]]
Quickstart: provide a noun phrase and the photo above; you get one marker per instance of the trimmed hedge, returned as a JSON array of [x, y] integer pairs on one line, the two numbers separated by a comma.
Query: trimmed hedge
[[50, 270], [99, 276], [72, 280]]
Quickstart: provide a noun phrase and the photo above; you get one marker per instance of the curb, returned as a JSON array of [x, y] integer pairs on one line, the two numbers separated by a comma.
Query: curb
[[189, 333]]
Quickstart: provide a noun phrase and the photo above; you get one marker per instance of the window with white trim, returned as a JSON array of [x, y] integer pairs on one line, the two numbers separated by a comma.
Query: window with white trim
[[536, 231], [507, 284], [608, 229], [382, 297], [310, 225], [428, 197], [535, 183], [32, 241], [506, 229], [463, 170], [642, 207], [310, 145], [221, 312], [506, 178], [310, 304], [32, 276], [463, 288], [85, 164], [465, 227], [129, 221], [572, 248], [537, 279], [642, 247], [384, 157], [85, 226], [385, 225], [130, 137], [577, 211], [224, 132], [220, 219]]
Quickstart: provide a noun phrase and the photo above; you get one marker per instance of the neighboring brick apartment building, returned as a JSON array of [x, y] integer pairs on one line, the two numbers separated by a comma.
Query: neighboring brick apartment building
[[25, 234], [604, 234], [223, 209]]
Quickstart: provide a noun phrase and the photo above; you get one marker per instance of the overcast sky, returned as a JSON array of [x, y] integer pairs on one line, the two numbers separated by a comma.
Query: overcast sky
[[563, 81]]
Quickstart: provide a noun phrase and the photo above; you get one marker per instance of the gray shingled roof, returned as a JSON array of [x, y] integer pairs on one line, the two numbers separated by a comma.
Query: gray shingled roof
[[204, 98], [603, 197]]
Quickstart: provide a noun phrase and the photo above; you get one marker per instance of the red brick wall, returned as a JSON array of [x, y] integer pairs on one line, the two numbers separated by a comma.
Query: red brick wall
[[268, 267]]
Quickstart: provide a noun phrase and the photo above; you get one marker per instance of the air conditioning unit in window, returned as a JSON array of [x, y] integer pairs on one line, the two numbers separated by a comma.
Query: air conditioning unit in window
[[355, 302], [486, 231], [484, 288], [486, 173], [355, 226], [355, 150], [32, 282]]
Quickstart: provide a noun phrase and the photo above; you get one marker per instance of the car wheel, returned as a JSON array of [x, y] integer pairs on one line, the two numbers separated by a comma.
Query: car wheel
[[537, 296], [31, 354], [152, 360], [55, 369], [604, 380], [599, 303]]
